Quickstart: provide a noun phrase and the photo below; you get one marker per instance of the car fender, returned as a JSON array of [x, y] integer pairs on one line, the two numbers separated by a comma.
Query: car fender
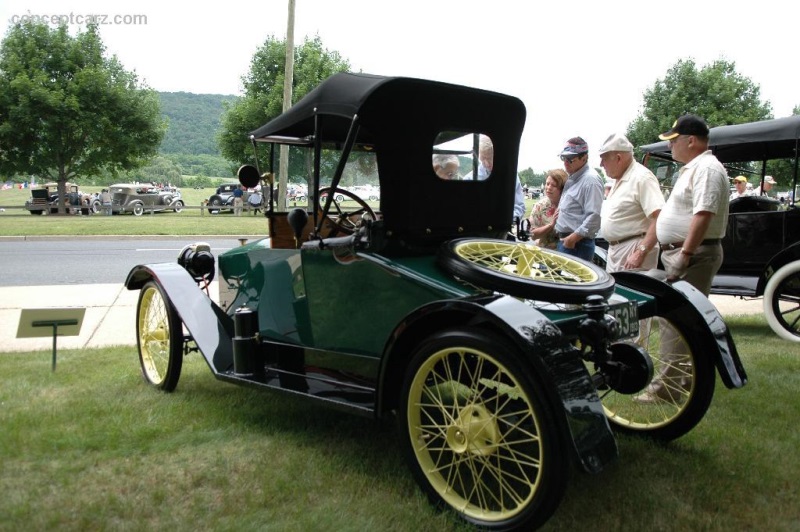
[[555, 362], [686, 304], [790, 254], [209, 326]]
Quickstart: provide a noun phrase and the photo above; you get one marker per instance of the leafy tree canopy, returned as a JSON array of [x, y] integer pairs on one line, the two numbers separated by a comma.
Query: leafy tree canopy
[[67, 111], [715, 92], [263, 93]]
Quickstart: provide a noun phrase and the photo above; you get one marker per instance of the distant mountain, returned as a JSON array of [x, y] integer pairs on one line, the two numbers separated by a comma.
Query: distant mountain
[[193, 122]]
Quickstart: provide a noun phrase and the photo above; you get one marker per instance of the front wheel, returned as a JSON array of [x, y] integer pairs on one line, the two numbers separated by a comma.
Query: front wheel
[[178, 206], [159, 337], [782, 302], [682, 387], [479, 433]]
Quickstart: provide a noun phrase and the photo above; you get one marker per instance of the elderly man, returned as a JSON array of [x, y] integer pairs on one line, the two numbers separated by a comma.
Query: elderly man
[[631, 208], [740, 182], [692, 223], [689, 230], [486, 163], [581, 200], [769, 182]]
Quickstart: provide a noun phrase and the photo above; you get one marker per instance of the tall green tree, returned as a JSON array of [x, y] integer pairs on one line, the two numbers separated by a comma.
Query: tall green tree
[[67, 111], [716, 92], [263, 93]]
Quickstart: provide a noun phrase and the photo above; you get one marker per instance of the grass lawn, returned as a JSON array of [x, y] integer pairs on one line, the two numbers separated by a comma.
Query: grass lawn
[[91, 447]]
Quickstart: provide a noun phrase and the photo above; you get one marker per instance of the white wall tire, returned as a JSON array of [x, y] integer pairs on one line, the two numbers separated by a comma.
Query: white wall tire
[[782, 302]]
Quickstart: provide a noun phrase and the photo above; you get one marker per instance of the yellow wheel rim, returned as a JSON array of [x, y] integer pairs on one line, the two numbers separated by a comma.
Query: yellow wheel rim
[[526, 261], [674, 379], [475, 434], [154, 347]]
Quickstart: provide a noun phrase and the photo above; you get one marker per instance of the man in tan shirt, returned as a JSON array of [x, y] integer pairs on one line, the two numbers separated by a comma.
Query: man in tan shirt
[[629, 213]]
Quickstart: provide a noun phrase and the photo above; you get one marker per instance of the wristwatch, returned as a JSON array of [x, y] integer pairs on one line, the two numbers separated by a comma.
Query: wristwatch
[[642, 248]]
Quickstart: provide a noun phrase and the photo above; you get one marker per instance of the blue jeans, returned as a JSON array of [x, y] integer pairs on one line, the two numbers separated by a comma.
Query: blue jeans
[[584, 249]]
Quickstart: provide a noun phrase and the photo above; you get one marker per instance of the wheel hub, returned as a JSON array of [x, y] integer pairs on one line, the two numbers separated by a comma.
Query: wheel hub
[[474, 431]]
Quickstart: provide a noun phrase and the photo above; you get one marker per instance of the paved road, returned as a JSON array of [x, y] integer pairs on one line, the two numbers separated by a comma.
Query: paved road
[[89, 261]]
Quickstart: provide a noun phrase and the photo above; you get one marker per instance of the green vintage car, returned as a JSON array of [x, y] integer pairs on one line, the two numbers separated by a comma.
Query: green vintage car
[[502, 362]]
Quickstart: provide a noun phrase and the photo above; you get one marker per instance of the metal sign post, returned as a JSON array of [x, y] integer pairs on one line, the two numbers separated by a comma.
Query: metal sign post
[[41, 322]]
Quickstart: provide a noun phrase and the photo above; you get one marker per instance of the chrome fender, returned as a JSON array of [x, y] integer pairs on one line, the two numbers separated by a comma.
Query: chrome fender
[[210, 328]]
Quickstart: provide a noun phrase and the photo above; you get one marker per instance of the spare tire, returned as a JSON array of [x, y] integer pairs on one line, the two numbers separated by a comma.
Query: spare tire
[[522, 269]]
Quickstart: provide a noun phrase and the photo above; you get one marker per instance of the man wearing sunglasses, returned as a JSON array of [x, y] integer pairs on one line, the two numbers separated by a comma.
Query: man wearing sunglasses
[[581, 200]]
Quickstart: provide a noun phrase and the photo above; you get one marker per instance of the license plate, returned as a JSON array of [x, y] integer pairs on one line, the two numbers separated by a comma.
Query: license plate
[[627, 316]]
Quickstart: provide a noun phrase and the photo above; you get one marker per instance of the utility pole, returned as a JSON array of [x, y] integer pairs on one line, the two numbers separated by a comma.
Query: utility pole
[[283, 165]]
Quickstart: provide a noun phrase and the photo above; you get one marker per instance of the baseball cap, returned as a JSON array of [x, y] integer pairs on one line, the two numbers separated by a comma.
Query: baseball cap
[[616, 142], [688, 124], [575, 146], [769, 179], [740, 179]]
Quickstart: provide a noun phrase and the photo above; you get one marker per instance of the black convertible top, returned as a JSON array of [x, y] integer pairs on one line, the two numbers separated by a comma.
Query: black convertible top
[[401, 119], [753, 141]]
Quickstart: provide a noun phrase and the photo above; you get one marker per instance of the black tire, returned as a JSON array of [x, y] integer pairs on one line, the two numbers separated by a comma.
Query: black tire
[[177, 206], [159, 337], [96, 206], [547, 275], [214, 201], [479, 434], [37, 212], [782, 301], [684, 383], [138, 209]]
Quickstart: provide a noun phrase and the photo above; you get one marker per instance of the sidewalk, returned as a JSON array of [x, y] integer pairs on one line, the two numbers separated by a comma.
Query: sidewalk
[[110, 317]]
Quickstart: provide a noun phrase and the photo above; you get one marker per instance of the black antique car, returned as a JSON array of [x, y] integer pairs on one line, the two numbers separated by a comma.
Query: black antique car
[[502, 363], [762, 239]]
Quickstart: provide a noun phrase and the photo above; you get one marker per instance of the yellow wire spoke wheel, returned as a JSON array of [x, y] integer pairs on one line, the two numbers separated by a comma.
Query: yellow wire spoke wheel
[[524, 270], [681, 390], [159, 337], [481, 439]]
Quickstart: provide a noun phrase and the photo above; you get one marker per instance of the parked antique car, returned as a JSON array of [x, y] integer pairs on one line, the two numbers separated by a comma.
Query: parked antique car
[[762, 240], [143, 198], [222, 199], [502, 362], [44, 199]]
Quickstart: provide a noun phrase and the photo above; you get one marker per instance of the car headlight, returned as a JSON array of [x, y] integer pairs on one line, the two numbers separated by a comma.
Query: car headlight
[[198, 261]]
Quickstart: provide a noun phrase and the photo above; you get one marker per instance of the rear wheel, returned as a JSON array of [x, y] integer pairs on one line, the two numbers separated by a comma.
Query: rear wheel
[[159, 337], [682, 387], [479, 432], [782, 302]]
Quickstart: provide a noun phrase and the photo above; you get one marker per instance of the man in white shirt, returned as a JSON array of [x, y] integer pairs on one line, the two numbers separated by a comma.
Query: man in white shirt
[[740, 182], [629, 213]]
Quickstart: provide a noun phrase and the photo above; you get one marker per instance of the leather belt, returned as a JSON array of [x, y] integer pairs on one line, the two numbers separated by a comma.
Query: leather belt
[[678, 245], [621, 240]]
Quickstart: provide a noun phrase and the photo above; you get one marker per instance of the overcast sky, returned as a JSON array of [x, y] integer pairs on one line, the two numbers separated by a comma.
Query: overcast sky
[[581, 66]]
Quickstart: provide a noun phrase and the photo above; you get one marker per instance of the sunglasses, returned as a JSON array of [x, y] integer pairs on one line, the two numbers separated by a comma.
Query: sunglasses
[[570, 158]]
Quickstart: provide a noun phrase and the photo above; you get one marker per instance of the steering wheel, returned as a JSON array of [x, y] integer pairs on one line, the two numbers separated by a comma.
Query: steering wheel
[[345, 221]]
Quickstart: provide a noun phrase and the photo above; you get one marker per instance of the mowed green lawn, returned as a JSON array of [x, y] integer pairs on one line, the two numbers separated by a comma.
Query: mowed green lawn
[[92, 447], [16, 221]]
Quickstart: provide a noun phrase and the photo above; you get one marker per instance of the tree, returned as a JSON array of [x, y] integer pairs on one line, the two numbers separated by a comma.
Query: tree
[[263, 94], [715, 92], [67, 111]]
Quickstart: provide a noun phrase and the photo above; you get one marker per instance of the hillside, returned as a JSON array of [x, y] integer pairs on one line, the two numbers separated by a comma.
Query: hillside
[[193, 122]]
